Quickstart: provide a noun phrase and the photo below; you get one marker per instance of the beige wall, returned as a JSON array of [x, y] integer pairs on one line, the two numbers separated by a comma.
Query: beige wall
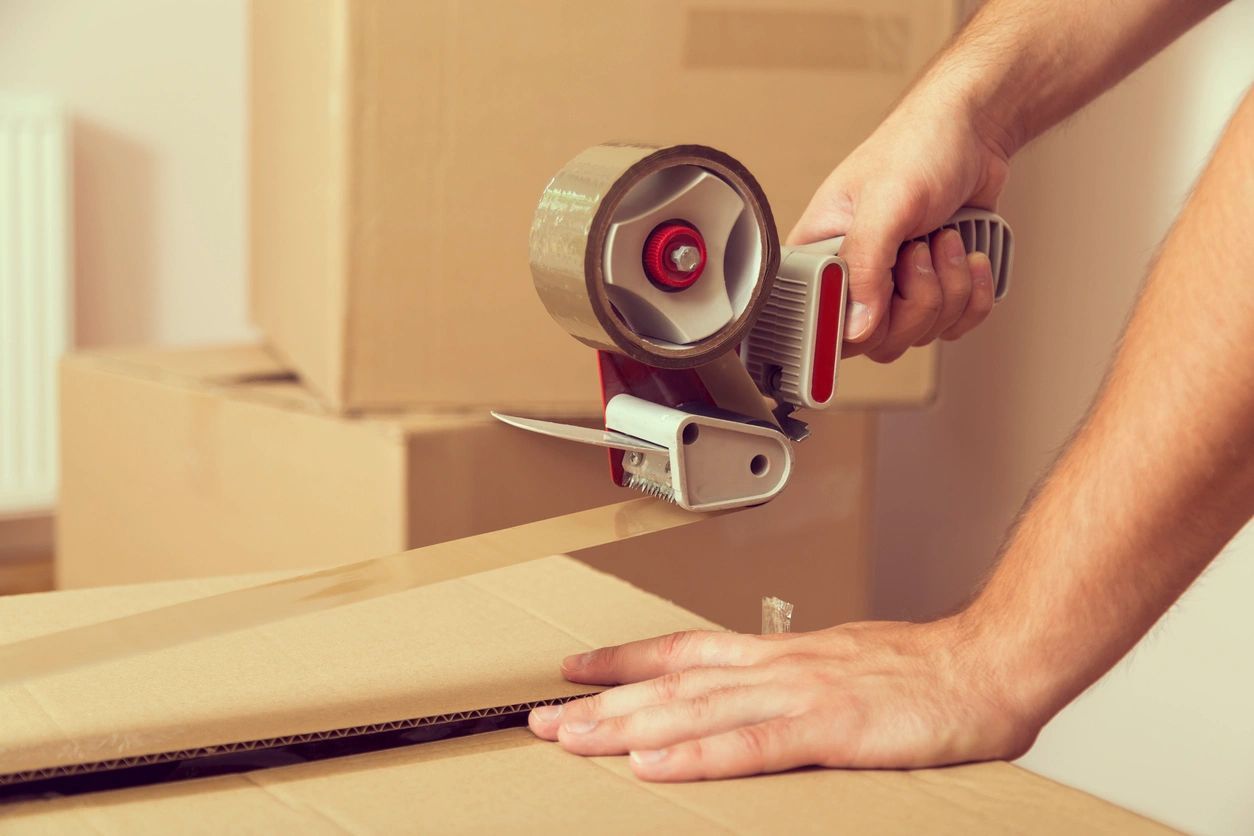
[[1170, 731], [156, 91]]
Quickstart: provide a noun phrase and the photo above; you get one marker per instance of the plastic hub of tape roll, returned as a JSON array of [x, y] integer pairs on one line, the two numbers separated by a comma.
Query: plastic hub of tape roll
[[674, 255], [589, 241]]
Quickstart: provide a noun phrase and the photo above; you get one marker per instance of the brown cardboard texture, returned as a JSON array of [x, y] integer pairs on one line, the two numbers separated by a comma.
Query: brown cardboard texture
[[337, 586], [485, 640], [398, 151], [218, 464]]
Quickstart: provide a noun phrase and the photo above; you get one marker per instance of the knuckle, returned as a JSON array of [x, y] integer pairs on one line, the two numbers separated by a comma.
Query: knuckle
[[674, 646], [754, 741], [699, 708], [606, 657], [586, 707], [930, 301], [666, 687], [616, 726], [981, 304]]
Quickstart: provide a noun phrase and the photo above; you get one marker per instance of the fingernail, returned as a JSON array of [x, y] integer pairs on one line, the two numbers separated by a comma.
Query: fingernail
[[576, 662], [954, 250], [647, 756], [857, 318], [546, 713], [922, 258], [981, 268], [579, 726]]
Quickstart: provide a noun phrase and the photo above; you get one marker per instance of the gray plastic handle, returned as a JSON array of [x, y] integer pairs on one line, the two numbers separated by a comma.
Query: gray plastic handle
[[981, 231]]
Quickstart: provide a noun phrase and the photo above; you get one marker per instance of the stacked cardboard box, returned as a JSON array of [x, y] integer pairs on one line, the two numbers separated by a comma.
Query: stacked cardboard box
[[399, 149]]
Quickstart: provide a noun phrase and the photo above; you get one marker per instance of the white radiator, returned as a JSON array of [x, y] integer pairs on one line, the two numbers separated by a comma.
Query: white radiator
[[35, 304]]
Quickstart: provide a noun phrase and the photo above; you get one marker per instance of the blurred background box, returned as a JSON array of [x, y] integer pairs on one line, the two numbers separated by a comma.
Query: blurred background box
[[190, 463], [398, 150], [207, 462]]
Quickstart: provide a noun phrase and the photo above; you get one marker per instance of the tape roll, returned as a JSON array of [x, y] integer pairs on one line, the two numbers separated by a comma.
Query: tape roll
[[592, 229]]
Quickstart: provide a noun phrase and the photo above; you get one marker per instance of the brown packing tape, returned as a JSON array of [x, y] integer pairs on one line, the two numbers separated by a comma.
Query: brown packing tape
[[568, 237], [729, 384], [166, 627]]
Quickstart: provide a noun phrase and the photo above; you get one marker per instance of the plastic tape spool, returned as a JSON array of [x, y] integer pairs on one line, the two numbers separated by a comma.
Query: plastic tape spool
[[666, 255]]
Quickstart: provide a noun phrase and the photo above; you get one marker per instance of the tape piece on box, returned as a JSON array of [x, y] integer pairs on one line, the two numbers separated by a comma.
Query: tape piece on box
[[351, 583]]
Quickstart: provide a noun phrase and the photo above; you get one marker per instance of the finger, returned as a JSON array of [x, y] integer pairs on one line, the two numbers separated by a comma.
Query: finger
[[917, 301], [658, 726], [954, 273], [650, 658], [772, 746], [981, 301], [882, 221], [829, 214], [616, 702]]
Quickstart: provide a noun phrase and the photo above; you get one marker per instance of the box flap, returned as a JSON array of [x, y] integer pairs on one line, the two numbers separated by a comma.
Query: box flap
[[473, 643]]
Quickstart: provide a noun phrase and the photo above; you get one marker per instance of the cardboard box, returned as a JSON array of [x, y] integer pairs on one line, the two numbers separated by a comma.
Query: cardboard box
[[186, 463], [398, 151], [459, 647], [192, 463]]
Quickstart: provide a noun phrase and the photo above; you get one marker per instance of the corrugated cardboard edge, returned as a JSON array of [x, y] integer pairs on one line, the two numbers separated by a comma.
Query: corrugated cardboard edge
[[176, 755]]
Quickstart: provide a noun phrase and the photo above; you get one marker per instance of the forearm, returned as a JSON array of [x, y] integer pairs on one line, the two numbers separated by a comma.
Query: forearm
[[1160, 475], [1021, 66]]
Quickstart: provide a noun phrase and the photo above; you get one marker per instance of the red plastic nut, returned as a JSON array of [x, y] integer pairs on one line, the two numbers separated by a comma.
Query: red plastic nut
[[665, 259]]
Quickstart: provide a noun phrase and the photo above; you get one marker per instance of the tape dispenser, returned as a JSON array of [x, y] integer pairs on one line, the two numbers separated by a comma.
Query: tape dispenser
[[709, 335]]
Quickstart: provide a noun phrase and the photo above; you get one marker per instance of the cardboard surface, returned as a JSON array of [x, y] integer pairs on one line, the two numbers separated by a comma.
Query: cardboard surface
[[337, 586], [392, 658], [486, 639], [186, 463], [398, 151], [207, 462]]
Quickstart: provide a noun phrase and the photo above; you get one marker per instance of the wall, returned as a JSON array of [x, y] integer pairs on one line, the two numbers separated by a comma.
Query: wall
[[1169, 732], [156, 90]]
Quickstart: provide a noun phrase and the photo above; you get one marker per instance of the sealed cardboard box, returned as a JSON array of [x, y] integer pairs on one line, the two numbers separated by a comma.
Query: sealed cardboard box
[[484, 646], [398, 151], [190, 463]]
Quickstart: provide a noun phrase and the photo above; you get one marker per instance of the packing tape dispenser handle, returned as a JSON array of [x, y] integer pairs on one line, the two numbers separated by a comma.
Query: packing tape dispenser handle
[[981, 231]]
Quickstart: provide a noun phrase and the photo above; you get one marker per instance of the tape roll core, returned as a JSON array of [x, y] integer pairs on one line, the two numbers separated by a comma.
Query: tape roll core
[[568, 240]]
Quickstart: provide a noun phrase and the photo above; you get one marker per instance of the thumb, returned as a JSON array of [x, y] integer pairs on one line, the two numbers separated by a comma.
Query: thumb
[[882, 221]]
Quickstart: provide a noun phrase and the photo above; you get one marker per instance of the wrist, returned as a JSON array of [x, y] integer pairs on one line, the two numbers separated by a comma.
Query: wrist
[[1000, 656], [986, 105]]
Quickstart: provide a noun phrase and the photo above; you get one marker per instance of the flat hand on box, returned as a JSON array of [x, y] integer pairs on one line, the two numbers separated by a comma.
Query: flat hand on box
[[702, 705]]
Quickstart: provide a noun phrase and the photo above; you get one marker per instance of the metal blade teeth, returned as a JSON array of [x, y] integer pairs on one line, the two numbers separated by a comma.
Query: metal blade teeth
[[650, 487]]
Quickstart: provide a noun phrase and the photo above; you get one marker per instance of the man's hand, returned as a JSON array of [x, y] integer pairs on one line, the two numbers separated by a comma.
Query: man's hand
[[1019, 67], [720, 705], [927, 160]]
